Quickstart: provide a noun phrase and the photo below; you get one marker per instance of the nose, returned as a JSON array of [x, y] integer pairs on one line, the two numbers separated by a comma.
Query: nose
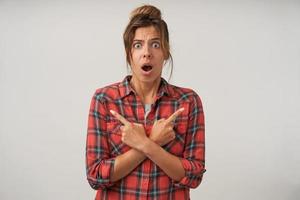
[[147, 52]]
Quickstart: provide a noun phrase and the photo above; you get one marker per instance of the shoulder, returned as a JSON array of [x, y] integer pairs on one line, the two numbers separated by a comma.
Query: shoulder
[[108, 92], [183, 93]]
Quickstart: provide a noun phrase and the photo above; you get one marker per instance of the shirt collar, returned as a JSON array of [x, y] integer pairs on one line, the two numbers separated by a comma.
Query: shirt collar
[[126, 89]]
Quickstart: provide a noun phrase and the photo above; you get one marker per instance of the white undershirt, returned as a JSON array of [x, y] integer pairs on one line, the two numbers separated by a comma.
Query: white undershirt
[[147, 109]]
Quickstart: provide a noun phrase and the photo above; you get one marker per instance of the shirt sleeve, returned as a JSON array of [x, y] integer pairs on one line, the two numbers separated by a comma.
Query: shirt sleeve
[[99, 165], [193, 160]]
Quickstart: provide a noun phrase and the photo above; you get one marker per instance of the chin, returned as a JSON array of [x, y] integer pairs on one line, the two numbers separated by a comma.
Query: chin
[[150, 79]]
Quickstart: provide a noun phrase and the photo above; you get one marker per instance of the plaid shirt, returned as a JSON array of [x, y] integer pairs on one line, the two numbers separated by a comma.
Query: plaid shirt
[[147, 180]]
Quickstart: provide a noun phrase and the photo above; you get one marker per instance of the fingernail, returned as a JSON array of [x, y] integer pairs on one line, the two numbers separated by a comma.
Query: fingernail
[[181, 109], [112, 112]]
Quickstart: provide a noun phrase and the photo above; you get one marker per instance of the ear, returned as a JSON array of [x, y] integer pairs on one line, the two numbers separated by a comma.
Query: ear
[[166, 56], [166, 60]]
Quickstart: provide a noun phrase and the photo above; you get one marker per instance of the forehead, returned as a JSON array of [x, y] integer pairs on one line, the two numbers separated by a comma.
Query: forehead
[[148, 32]]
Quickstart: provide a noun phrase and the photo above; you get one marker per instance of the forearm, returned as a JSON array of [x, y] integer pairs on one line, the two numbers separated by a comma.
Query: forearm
[[125, 163], [169, 163]]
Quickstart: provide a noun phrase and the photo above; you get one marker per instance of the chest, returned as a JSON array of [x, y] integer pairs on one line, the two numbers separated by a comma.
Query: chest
[[147, 115]]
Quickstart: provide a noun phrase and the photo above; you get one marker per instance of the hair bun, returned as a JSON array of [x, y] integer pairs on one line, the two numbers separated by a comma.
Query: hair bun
[[146, 10]]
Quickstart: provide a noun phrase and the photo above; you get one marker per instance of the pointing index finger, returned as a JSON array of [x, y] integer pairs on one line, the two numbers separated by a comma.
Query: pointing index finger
[[119, 117], [175, 115]]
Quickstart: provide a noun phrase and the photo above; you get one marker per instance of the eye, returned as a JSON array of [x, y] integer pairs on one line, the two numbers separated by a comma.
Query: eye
[[137, 45], [156, 45]]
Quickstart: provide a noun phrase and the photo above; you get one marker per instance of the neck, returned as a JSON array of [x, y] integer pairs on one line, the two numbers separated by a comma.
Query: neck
[[146, 90]]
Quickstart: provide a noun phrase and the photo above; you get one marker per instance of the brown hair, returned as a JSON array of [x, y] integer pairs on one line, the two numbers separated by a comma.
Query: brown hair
[[144, 16]]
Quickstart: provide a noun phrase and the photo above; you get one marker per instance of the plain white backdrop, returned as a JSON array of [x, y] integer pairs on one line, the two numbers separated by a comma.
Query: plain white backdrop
[[241, 57]]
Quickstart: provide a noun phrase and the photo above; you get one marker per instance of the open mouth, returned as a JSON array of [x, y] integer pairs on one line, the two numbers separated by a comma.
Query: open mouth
[[147, 68]]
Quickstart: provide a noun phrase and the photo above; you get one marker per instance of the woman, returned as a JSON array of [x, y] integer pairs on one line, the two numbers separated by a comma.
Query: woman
[[145, 136]]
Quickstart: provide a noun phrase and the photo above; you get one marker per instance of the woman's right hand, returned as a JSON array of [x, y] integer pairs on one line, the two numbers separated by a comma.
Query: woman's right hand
[[162, 131]]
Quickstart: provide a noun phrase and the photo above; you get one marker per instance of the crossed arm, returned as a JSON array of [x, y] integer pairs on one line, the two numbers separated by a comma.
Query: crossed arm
[[133, 135], [103, 170]]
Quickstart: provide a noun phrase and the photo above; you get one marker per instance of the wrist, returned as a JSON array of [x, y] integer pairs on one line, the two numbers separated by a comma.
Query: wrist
[[154, 140], [146, 146]]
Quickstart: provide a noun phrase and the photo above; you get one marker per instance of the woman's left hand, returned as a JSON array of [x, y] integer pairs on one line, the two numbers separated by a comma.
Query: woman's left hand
[[133, 134]]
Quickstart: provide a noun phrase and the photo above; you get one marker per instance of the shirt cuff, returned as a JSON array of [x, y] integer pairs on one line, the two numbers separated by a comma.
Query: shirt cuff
[[99, 176], [193, 174], [106, 171]]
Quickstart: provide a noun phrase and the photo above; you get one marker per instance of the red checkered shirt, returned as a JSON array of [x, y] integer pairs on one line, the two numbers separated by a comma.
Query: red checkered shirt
[[147, 180]]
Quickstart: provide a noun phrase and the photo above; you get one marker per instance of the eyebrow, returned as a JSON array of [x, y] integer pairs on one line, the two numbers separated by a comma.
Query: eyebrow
[[153, 39]]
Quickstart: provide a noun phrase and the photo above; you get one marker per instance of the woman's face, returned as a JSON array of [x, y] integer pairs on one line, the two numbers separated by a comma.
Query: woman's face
[[147, 55]]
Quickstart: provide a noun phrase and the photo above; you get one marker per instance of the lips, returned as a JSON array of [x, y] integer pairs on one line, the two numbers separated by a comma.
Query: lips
[[147, 67]]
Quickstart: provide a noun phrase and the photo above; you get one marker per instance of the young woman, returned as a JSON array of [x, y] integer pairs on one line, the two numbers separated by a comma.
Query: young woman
[[145, 136]]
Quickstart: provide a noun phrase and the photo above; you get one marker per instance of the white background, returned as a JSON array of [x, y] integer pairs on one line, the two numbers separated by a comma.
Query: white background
[[241, 57]]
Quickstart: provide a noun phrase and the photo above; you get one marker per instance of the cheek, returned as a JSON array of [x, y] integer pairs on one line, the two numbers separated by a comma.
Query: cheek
[[161, 60], [161, 56], [134, 64], [134, 57]]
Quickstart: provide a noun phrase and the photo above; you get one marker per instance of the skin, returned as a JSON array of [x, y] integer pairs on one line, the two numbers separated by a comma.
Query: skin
[[133, 135], [147, 49]]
